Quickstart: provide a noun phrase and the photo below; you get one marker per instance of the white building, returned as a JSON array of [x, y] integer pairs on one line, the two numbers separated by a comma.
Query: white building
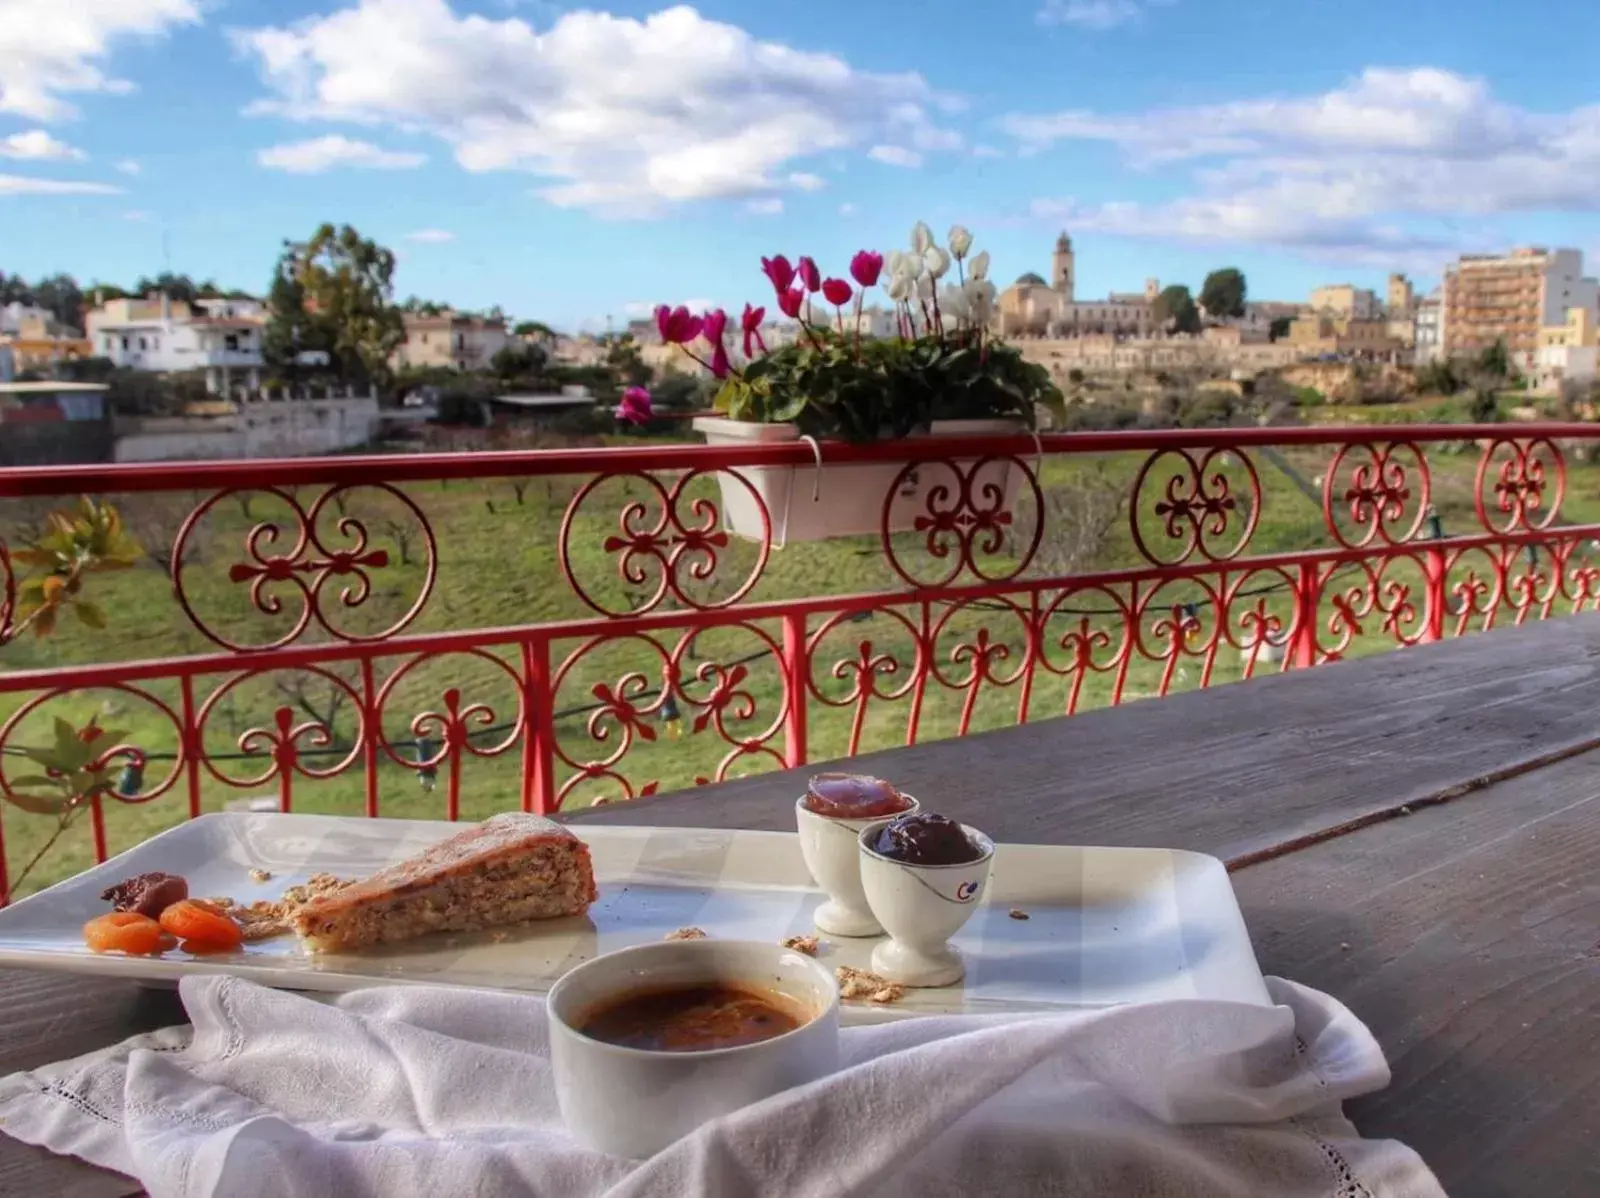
[[451, 341], [1429, 330], [219, 336], [16, 317]]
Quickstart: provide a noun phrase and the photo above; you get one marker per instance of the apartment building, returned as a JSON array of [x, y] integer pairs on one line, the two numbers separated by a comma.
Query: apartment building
[[1429, 330], [1510, 298], [1319, 334], [33, 340], [1567, 352], [451, 340], [1345, 301], [222, 337]]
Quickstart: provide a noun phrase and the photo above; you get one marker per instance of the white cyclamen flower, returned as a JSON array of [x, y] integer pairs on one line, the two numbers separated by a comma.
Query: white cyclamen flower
[[936, 261], [980, 296], [925, 287], [921, 237], [899, 287], [960, 241], [978, 268]]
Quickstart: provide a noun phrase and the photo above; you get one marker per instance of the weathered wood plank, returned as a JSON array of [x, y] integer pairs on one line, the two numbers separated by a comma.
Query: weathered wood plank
[[1237, 770], [46, 1017], [1468, 938]]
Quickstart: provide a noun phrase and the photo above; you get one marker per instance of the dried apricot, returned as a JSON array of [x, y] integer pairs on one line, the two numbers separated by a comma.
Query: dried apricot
[[200, 923], [125, 932]]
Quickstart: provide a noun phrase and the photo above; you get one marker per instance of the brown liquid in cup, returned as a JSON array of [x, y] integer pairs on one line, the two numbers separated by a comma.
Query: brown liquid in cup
[[692, 1019]]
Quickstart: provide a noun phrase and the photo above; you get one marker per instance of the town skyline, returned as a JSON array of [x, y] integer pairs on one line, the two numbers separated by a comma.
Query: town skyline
[[1121, 122]]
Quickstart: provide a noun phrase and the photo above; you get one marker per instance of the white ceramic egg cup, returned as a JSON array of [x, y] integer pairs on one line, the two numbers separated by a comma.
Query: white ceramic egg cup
[[921, 907], [831, 852]]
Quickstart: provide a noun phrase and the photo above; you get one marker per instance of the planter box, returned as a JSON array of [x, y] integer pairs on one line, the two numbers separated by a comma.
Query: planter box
[[847, 500]]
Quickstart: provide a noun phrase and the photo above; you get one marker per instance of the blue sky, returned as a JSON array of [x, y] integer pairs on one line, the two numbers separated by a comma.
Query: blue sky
[[571, 163]]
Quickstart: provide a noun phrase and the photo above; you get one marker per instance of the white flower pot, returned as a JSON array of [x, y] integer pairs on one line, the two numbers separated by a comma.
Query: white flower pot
[[810, 503]]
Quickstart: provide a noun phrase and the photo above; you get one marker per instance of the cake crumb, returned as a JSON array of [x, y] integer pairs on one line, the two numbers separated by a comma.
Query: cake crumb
[[261, 875], [265, 918], [686, 934], [859, 983], [809, 945], [1018, 913]]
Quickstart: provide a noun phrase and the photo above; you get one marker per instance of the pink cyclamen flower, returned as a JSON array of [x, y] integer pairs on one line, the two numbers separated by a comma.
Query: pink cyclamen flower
[[751, 323], [713, 325], [865, 267], [809, 274], [777, 269], [676, 325], [837, 292], [789, 302], [635, 406]]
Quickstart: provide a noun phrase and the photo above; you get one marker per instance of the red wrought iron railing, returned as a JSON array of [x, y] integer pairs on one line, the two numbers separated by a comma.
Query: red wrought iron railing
[[553, 628]]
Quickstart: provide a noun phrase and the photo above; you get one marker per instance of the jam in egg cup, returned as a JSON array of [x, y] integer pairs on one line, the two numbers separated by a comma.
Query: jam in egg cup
[[921, 906], [830, 817]]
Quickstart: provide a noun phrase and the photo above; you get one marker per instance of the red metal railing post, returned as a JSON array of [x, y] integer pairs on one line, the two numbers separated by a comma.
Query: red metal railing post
[[1307, 591], [1433, 573], [796, 671], [538, 744]]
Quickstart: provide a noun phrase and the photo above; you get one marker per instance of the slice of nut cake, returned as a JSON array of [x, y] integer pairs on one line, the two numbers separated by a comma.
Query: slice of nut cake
[[508, 869]]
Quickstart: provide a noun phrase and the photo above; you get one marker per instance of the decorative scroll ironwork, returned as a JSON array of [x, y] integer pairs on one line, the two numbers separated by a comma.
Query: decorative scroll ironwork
[[977, 641], [965, 520], [711, 697], [1197, 506], [303, 559], [1386, 501], [1520, 485], [669, 540]]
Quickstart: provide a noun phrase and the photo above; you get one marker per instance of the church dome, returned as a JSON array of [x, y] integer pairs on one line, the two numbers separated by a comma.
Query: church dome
[[1031, 278]]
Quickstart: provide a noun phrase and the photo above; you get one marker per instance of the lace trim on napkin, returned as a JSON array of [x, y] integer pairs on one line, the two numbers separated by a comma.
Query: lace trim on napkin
[[1350, 1186]]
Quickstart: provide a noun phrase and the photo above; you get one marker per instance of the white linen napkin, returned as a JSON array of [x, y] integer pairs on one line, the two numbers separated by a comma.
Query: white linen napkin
[[429, 1091]]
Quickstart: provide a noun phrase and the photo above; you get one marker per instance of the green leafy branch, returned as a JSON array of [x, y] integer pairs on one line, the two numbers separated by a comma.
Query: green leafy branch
[[72, 772], [73, 545]]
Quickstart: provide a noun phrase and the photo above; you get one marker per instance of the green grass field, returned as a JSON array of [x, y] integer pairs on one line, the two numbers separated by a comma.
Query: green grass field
[[498, 566]]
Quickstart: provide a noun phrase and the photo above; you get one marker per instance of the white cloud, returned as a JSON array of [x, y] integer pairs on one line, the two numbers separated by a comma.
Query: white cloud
[[36, 145], [17, 185], [806, 181], [128, 166], [136, 215], [895, 156], [324, 153], [431, 236], [766, 206], [639, 309], [1377, 167], [847, 209], [50, 49], [987, 152], [1095, 14], [621, 115]]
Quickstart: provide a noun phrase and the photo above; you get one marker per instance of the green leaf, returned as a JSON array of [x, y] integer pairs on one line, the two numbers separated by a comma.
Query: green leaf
[[789, 407], [89, 614], [40, 806], [31, 780]]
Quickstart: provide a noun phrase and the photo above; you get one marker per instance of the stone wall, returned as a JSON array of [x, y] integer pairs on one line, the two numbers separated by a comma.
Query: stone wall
[[261, 428]]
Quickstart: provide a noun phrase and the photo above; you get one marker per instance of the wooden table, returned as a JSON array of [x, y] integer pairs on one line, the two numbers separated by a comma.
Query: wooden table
[[1418, 834]]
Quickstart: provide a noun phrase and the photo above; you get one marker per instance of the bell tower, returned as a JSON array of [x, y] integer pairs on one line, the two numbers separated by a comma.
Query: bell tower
[[1063, 271]]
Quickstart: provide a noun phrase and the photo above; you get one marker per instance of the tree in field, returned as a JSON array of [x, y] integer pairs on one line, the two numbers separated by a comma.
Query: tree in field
[[334, 294], [1279, 329], [1495, 361], [1175, 312], [534, 328], [1223, 293]]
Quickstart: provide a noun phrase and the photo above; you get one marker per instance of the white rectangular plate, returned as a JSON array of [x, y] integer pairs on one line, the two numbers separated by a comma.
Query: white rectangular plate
[[1104, 926]]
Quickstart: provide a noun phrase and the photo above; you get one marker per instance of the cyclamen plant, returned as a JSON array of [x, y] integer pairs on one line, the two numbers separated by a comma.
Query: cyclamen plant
[[941, 363]]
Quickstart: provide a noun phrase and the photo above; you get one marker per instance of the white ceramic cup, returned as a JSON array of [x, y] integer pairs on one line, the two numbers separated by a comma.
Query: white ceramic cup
[[829, 846], [921, 907], [633, 1102]]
